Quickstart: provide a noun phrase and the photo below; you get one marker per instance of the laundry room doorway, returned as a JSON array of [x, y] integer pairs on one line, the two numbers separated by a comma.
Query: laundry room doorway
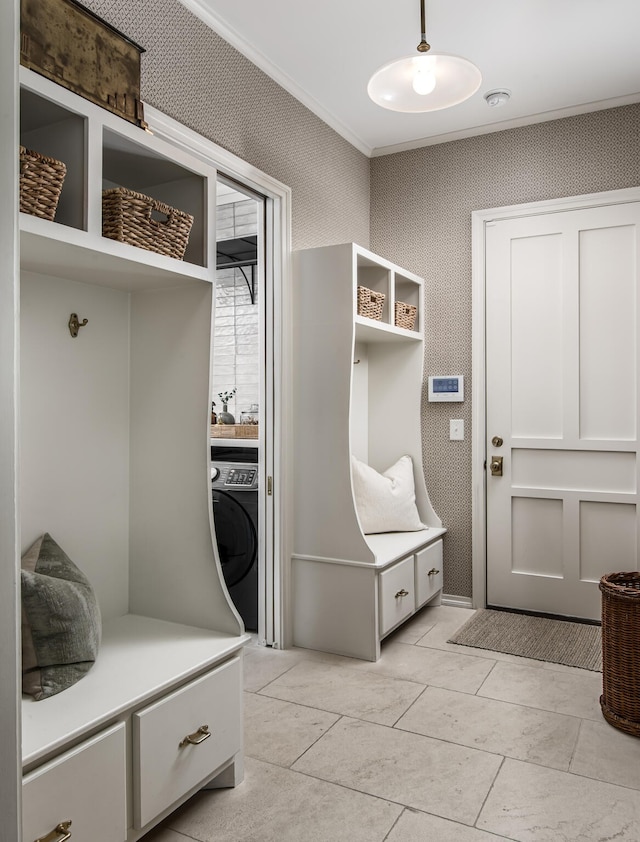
[[242, 408]]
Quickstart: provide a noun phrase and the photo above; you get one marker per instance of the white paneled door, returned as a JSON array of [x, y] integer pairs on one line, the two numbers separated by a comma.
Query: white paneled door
[[562, 406]]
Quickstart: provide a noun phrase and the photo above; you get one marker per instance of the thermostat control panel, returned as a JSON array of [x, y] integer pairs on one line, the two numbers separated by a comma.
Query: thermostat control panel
[[448, 387]]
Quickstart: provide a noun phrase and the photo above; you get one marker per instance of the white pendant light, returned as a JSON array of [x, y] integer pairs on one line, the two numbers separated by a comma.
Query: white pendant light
[[424, 82]]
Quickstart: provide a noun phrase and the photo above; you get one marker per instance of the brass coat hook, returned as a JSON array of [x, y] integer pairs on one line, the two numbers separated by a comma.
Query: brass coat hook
[[75, 325]]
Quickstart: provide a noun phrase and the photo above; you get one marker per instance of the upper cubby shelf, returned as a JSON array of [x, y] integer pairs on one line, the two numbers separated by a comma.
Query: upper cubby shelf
[[400, 317], [101, 152]]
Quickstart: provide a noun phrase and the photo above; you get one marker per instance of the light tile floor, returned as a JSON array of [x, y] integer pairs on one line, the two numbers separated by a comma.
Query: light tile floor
[[433, 743]]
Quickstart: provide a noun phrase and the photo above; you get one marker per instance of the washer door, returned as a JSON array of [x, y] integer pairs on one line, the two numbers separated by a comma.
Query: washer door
[[236, 536]]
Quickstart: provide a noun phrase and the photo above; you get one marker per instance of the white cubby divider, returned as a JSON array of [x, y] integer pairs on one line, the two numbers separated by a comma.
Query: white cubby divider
[[358, 393], [115, 465]]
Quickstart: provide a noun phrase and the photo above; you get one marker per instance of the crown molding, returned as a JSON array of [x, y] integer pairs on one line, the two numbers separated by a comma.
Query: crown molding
[[201, 10]]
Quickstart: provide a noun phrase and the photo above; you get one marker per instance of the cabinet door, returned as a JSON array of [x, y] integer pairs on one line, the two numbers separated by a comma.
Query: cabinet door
[[85, 786], [397, 596], [428, 572], [171, 752]]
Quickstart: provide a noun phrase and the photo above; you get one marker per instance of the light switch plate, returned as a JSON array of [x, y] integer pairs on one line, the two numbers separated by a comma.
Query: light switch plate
[[456, 429]]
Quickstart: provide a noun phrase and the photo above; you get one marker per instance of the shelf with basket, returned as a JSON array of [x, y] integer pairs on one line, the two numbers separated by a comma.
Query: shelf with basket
[[358, 378], [136, 380], [125, 195], [387, 300]]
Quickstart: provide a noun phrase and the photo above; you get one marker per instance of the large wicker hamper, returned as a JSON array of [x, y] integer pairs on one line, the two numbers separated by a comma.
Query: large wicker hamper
[[620, 700]]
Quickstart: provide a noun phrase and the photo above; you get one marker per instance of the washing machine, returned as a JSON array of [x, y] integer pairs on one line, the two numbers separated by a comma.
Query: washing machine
[[234, 492]]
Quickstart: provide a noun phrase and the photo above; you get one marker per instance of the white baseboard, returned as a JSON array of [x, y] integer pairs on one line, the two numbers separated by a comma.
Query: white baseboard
[[457, 601]]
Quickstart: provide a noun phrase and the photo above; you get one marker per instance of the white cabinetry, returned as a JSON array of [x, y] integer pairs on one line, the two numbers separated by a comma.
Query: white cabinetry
[[115, 465], [358, 388]]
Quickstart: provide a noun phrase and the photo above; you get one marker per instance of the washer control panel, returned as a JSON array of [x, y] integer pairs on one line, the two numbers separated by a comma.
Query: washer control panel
[[231, 475]]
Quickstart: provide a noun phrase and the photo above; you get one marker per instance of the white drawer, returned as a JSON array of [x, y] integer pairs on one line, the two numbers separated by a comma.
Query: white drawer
[[165, 766], [428, 572], [86, 786], [396, 594]]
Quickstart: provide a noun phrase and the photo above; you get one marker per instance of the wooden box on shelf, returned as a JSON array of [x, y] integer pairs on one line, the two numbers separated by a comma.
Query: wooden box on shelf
[[65, 42]]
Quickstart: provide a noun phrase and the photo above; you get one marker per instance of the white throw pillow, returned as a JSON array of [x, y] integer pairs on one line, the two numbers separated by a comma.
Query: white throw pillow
[[386, 502]]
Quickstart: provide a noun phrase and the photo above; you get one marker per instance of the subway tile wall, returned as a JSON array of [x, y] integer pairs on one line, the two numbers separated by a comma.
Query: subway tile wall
[[236, 333]]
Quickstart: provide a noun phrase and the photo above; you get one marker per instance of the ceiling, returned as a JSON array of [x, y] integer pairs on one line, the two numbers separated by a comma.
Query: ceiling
[[556, 57]]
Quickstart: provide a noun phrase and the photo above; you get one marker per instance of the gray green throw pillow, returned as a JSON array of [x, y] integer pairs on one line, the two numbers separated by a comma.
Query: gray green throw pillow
[[61, 623]]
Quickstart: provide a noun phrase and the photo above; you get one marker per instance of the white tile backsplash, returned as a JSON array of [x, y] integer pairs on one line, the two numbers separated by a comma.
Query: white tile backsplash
[[236, 343]]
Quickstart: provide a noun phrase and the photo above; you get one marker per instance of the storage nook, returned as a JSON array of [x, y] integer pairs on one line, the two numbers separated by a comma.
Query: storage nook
[[115, 466], [358, 383]]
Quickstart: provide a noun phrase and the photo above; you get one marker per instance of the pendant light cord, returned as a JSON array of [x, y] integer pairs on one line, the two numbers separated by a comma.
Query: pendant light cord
[[423, 47]]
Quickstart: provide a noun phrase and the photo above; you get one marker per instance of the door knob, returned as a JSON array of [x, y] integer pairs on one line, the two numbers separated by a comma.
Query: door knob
[[497, 441], [496, 466]]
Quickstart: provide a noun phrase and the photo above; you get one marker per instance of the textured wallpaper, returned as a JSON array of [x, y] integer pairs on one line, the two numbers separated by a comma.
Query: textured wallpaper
[[196, 77], [421, 204], [420, 201]]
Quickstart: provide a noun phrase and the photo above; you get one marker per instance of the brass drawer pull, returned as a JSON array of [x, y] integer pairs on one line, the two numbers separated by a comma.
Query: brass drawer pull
[[60, 833], [433, 572], [402, 593], [203, 733]]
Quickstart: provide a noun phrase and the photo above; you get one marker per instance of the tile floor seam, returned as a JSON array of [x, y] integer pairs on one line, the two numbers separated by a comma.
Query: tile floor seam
[[494, 753], [377, 797], [322, 710], [264, 695], [482, 683], [488, 793], [601, 781], [537, 707], [329, 729], [370, 667], [463, 745], [282, 766], [411, 704], [343, 786], [575, 745], [271, 680], [394, 825]]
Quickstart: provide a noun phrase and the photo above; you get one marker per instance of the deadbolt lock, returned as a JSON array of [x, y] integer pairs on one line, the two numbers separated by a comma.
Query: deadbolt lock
[[497, 441], [496, 466]]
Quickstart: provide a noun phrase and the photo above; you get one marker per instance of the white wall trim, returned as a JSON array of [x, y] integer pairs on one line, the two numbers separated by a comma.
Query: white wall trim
[[504, 125], [232, 166], [10, 652], [456, 601], [479, 220], [201, 10]]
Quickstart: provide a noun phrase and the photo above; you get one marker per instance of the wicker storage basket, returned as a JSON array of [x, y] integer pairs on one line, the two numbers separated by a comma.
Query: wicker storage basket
[[127, 217], [620, 700], [405, 315], [41, 181], [370, 303]]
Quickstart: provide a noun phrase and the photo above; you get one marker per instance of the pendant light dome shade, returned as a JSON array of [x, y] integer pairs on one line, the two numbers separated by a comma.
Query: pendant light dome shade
[[399, 85], [424, 82]]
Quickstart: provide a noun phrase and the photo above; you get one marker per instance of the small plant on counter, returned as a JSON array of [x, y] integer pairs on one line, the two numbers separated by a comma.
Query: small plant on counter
[[226, 417], [225, 397]]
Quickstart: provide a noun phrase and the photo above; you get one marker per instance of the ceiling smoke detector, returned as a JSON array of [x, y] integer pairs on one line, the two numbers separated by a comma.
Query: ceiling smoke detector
[[498, 97]]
